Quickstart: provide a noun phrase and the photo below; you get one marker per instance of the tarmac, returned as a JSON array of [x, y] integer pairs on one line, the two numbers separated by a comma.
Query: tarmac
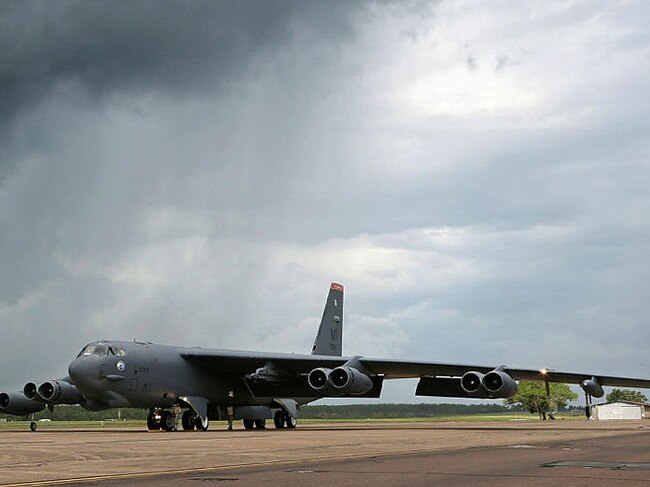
[[516, 453]]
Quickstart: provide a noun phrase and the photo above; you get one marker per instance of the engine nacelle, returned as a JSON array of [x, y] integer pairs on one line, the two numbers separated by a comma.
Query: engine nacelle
[[348, 380], [318, 379], [60, 392], [17, 404], [472, 383], [500, 384], [592, 387], [31, 391]]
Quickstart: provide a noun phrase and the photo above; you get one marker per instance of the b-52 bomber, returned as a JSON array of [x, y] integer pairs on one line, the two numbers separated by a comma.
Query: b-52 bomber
[[199, 385]]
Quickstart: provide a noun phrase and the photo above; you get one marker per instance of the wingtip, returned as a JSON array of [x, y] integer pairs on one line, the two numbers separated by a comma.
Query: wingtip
[[336, 286]]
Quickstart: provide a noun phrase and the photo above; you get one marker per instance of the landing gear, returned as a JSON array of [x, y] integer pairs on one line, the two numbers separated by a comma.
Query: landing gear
[[168, 421], [249, 424], [160, 419], [199, 424], [154, 419], [278, 419], [281, 419], [260, 424], [189, 420], [33, 426]]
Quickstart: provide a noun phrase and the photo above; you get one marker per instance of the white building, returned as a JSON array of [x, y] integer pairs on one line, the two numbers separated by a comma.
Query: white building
[[620, 410]]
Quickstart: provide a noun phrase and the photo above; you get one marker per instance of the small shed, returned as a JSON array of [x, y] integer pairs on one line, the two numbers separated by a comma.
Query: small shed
[[620, 410]]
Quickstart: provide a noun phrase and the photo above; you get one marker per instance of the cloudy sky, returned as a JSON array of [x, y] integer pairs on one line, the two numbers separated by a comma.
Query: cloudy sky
[[475, 173]]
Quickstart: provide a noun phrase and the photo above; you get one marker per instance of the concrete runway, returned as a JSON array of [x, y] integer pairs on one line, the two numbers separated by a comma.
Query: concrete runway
[[450, 454]]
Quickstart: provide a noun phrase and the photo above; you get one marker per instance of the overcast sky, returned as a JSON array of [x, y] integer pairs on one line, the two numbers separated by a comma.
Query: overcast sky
[[475, 173]]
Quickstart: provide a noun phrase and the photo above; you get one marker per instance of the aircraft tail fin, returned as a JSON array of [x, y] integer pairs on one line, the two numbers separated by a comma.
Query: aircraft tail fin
[[329, 340]]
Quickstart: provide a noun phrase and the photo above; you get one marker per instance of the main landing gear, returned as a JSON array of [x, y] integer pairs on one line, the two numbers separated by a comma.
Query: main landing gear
[[166, 420], [190, 421], [161, 419], [282, 419]]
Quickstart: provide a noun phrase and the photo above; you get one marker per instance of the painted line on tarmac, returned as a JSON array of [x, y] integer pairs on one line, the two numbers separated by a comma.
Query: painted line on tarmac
[[166, 473]]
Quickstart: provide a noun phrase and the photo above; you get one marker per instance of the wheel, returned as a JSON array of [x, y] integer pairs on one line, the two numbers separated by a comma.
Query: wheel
[[260, 424], [248, 424], [188, 420], [33, 426], [278, 419], [167, 421], [199, 423], [291, 422], [153, 420]]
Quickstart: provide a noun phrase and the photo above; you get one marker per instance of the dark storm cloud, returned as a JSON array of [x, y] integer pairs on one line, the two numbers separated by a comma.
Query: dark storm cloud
[[77, 49]]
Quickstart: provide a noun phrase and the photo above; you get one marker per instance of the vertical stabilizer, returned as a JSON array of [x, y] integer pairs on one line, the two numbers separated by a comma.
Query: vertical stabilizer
[[329, 340]]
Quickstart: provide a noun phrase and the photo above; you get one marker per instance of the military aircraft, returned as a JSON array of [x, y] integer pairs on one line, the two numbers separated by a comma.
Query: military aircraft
[[212, 384]]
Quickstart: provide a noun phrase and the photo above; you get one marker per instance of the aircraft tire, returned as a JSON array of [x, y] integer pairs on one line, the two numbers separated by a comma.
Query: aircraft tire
[[153, 424], [168, 421], [199, 424], [291, 422], [249, 424], [260, 424], [278, 419], [188, 420], [33, 426]]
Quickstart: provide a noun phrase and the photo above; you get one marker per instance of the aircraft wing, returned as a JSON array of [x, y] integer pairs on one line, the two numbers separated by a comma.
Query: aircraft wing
[[242, 362], [398, 369]]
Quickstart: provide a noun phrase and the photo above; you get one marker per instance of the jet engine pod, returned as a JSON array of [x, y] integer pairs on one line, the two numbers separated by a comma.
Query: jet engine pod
[[500, 384], [349, 380], [5, 400], [17, 404], [318, 379], [592, 387], [31, 391], [59, 392], [472, 384]]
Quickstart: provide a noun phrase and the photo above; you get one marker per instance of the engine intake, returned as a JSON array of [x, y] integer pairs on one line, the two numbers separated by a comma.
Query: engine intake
[[318, 379], [472, 384], [31, 391], [60, 392], [493, 384], [592, 387], [349, 380], [500, 384]]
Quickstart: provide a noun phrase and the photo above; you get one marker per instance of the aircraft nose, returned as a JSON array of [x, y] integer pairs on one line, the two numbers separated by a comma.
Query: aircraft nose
[[81, 370]]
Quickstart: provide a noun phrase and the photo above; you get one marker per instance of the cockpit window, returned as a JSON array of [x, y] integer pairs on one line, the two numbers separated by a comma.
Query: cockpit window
[[119, 351], [116, 350], [94, 349], [88, 350]]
